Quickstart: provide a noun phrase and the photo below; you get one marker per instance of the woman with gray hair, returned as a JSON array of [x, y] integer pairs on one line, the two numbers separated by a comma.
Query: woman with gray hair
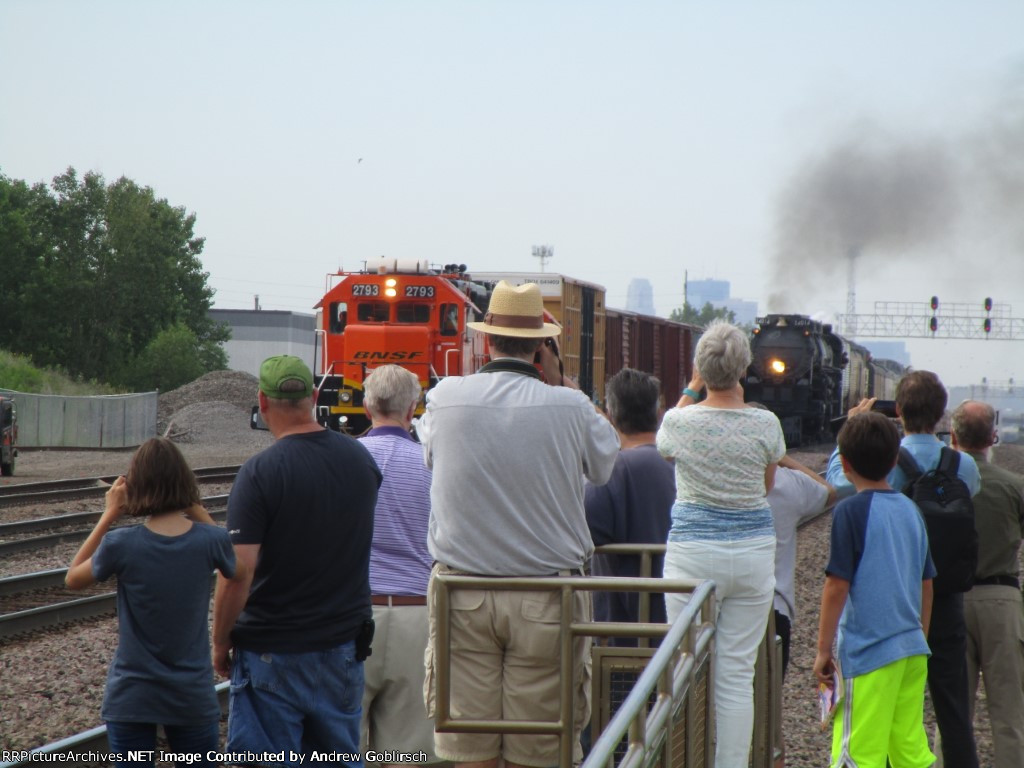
[[725, 455]]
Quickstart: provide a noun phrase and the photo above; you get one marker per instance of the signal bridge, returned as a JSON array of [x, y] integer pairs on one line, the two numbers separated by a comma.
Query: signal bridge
[[932, 320]]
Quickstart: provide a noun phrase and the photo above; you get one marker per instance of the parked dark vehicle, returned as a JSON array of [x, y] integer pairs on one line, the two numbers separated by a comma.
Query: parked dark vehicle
[[8, 436]]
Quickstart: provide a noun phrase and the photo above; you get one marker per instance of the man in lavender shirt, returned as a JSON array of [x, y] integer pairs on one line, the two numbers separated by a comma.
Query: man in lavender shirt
[[394, 718]]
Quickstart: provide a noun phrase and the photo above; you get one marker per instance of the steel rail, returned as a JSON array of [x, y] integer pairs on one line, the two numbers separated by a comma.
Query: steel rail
[[59, 613], [58, 521], [16, 585], [57, 490]]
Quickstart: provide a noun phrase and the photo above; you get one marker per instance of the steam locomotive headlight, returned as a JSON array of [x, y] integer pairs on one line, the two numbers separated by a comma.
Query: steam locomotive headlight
[[777, 366], [345, 397]]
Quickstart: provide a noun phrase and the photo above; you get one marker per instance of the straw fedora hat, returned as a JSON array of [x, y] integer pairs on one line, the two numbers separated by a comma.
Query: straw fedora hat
[[516, 311]]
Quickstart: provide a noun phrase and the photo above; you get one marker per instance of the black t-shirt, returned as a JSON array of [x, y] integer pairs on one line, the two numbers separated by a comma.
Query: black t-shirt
[[308, 501]]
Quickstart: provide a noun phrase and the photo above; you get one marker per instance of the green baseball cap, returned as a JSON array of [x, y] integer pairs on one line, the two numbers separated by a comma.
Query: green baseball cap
[[285, 377]]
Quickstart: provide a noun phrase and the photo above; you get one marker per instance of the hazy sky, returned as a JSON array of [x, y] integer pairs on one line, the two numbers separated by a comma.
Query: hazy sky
[[746, 141]]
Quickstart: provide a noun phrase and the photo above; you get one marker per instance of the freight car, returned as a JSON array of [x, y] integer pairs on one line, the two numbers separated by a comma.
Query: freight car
[[809, 375], [655, 345]]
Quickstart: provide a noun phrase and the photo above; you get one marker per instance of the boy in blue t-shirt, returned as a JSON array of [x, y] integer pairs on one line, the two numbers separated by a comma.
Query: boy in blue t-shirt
[[879, 578]]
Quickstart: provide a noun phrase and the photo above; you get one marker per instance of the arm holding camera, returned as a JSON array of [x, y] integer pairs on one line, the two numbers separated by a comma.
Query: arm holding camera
[[551, 365], [696, 385], [79, 575]]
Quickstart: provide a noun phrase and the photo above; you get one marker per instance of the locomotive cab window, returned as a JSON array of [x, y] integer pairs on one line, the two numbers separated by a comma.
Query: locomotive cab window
[[407, 312], [339, 316], [449, 319], [372, 312]]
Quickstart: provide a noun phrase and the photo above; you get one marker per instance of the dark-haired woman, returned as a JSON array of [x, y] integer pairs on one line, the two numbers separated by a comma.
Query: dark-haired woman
[[162, 671]]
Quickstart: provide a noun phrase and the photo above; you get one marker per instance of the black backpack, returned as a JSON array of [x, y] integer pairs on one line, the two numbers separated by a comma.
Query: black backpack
[[945, 503]]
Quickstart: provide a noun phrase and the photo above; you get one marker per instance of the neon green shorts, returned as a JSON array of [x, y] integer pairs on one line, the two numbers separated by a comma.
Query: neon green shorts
[[881, 715]]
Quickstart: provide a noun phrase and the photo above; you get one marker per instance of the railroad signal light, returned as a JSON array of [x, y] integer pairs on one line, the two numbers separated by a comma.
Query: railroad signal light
[[988, 305], [935, 303], [933, 324], [988, 325]]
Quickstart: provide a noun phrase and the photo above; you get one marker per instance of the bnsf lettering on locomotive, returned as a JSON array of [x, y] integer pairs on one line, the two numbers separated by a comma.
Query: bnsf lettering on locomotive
[[377, 355], [365, 289], [419, 291]]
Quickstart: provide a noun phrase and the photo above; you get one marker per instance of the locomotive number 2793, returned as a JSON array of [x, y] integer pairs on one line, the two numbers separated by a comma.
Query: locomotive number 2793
[[419, 291], [365, 289]]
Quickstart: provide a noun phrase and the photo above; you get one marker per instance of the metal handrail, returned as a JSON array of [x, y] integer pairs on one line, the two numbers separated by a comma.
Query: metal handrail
[[570, 629], [671, 671]]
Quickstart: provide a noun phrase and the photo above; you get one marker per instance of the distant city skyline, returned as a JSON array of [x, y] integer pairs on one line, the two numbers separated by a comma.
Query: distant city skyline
[[640, 296]]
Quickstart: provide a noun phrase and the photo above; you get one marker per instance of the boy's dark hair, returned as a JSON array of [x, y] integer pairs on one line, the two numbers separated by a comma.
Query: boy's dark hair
[[513, 346], [921, 400], [633, 399], [159, 480], [870, 443]]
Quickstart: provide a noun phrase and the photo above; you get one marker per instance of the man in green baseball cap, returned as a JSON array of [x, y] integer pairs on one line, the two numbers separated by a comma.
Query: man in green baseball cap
[[285, 377], [300, 515]]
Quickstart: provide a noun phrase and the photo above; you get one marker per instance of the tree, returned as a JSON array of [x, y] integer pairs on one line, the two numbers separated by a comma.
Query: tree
[[704, 317], [103, 270], [171, 359]]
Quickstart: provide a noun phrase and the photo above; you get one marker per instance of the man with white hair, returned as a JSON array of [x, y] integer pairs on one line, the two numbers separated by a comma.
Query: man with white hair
[[393, 715], [992, 608], [509, 453]]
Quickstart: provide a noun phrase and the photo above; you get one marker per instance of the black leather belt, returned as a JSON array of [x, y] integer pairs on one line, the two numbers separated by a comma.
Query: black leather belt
[[1002, 581]]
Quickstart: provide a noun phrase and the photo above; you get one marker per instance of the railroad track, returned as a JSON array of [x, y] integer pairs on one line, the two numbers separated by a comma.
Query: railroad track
[[14, 538], [36, 601], [87, 487]]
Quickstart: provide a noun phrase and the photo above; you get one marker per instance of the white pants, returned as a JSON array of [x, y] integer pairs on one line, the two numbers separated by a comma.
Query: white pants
[[744, 575]]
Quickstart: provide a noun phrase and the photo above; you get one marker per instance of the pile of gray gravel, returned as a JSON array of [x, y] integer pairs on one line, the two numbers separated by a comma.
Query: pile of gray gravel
[[211, 415], [226, 387]]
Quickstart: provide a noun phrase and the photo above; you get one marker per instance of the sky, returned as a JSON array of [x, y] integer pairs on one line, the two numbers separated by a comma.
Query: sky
[[756, 142]]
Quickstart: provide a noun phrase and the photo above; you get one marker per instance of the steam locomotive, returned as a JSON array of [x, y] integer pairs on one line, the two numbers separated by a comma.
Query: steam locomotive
[[810, 376]]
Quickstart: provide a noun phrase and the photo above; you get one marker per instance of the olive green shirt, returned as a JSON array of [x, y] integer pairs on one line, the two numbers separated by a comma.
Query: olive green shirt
[[999, 519]]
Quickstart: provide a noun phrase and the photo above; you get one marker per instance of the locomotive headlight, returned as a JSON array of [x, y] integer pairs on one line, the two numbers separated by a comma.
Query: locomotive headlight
[[345, 397], [777, 366], [390, 292], [391, 282]]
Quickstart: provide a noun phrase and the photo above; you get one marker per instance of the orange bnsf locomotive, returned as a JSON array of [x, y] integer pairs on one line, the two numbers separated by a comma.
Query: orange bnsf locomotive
[[400, 312]]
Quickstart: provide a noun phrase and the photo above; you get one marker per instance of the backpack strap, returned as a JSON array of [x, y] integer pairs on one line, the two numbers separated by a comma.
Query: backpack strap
[[909, 466], [949, 460]]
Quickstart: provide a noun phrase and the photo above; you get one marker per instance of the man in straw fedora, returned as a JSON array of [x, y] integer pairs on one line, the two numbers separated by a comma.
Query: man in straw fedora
[[509, 454]]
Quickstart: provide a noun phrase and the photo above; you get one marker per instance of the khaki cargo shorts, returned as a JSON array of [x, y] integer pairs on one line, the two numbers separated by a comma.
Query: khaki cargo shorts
[[505, 665]]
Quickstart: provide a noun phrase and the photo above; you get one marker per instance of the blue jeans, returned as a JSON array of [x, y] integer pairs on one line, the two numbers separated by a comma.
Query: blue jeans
[[297, 703], [185, 740]]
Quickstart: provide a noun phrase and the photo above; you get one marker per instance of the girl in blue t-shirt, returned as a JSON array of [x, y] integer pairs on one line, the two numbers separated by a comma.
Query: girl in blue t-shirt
[[162, 671]]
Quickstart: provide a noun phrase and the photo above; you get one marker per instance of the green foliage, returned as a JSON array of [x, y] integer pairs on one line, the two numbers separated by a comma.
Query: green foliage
[[93, 273], [18, 373], [707, 313], [174, 357]]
